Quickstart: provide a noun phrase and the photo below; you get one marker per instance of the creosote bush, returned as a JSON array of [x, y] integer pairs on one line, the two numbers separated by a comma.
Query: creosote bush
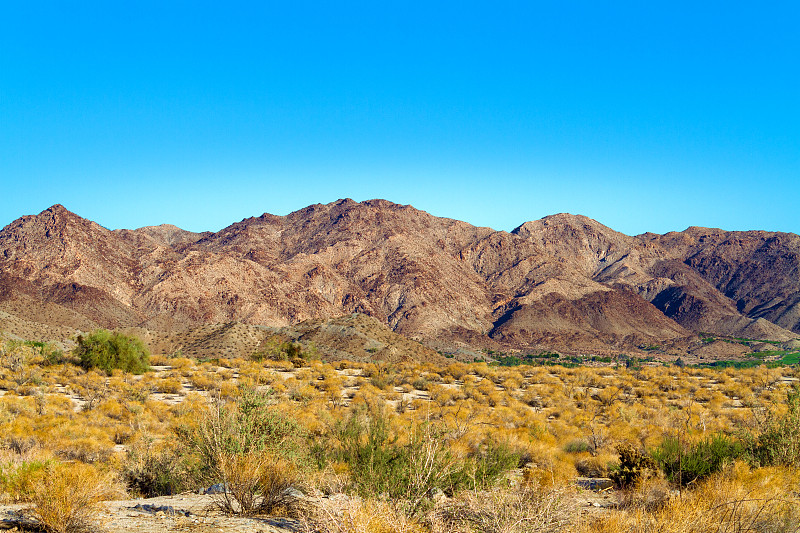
[[151, 470], [107, 351], [685, 463], [251, 449], [778, 442], [412, 468]]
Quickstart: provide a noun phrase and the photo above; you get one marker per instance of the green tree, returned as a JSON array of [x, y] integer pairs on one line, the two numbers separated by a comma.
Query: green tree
[[106, 350]]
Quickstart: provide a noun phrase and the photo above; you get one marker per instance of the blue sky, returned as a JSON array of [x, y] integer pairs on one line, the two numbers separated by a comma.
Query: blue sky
[[647, 116]]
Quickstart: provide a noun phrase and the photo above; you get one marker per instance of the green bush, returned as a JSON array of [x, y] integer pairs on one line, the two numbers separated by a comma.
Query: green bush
[[105, 350], [684, 463], [577, 446], [274, 350], [482, 468], [778, 442], [409, 471], [247, 425], [250, 448], [16, 480], [364, 441], [151, 471]]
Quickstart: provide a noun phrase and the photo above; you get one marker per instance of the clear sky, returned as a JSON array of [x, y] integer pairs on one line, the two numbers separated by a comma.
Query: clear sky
[[647, 116]]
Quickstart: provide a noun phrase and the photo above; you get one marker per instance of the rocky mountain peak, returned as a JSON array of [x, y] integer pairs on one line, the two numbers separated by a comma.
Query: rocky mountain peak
[[564, 281]]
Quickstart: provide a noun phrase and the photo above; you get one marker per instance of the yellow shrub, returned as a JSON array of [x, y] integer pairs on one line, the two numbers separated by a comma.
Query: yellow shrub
[[527, 509], [89, 449], [736, 499], [65, 497], [17, 479], [360, 516], [169, 386], [181, 363], [549, 467], [228, 390], [203, 382], [159, 360]]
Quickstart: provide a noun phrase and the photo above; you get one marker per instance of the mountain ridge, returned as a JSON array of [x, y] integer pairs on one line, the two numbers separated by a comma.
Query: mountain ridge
[[561, 282]]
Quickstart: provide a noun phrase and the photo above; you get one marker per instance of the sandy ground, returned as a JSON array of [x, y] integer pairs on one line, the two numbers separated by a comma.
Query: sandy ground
[[197, 513], [182, 512]]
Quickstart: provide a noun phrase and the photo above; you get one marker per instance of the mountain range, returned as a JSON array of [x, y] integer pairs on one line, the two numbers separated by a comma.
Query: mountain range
[[564, 282]]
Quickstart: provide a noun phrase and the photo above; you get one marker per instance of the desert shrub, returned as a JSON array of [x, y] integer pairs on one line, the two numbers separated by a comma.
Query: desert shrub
[[577, 446], [204, 381], [20, 444], [278, 479], [79, 441], [251, 448], [380, 381], [735, 499], [17, 479], [282, 351], [301, 392], [548, 467], [169, 386], [256, 483], [249, 423], [420, 383], [482, 468], [14, 355], [634, 464], [457, 370], [151, 471], [379, 462], [591, 466], [228, 390], [45, 353], [527, 509], [107, 350], [685, 463], [648, 494], [778, 442], [358, 516], [65, 497]]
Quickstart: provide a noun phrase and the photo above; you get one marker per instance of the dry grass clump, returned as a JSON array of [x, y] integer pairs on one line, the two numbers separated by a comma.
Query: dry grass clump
[[204, 381], [548, 467], [153, 468], [66, 497], [258, 483], [169, 386], [527, 509], [735, 500], [648, 494], [354, 515]]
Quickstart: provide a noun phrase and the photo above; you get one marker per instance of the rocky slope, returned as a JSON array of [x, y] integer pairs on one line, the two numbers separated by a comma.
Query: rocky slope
[[563, 282]]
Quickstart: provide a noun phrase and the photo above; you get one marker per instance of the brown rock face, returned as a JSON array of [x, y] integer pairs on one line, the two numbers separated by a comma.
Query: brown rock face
[[757, 271], [563, 281]]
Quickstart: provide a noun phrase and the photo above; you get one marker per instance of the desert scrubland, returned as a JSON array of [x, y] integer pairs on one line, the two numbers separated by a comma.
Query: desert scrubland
[[386, 447]]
